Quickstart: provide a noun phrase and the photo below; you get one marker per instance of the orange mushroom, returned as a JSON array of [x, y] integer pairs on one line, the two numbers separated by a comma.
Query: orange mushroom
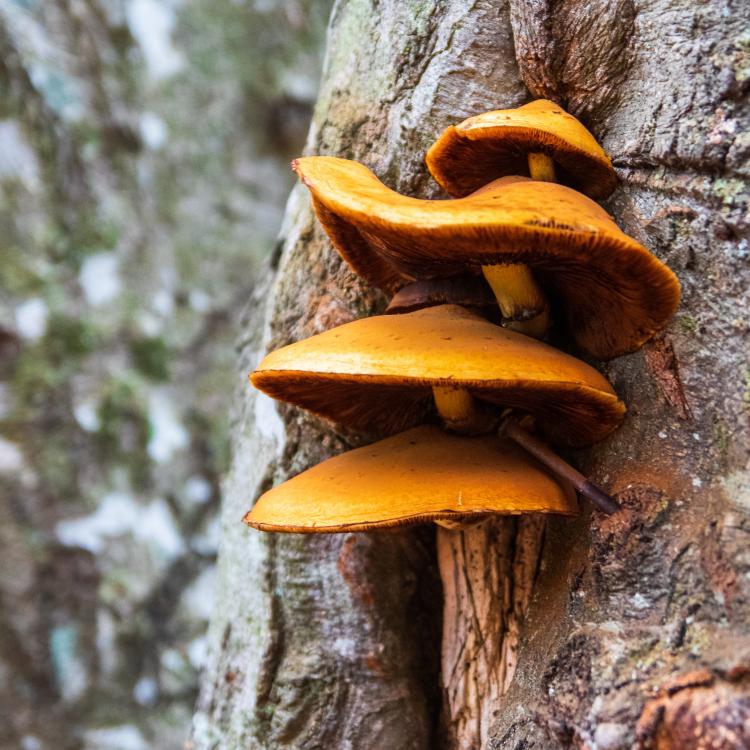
[[539, 139], [423, 474], [389, 372], [616, 294], [507, 142]]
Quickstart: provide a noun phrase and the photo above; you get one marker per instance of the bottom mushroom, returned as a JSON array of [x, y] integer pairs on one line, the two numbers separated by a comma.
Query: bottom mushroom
[[428, 474], [423, 474]]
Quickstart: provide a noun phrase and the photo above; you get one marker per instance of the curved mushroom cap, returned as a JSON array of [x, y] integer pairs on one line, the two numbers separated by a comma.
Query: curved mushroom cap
[[420, 475], [614, 292], [377, 374], [496, 144]]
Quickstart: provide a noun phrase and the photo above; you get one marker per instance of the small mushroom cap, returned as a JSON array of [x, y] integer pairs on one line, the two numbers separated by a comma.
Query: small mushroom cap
[[423, 474], [495, 144], [614, 292], [467, 291], [377, 373]]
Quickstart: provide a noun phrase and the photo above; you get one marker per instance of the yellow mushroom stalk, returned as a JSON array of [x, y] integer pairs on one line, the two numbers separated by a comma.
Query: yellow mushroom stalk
[[522, 303]]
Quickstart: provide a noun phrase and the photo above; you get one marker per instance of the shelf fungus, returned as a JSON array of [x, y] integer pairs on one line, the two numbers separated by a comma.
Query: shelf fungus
[[539, 139], [422, 474], [467, 405], [522, 234], [386, 373]]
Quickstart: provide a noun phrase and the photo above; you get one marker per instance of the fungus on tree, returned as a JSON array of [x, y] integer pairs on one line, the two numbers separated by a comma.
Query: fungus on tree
[[614, 293], [422, 474], [529, 139], [386, 373], [539, 139]]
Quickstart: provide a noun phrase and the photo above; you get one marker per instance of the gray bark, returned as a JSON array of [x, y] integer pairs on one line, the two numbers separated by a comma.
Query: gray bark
[[333, 641]]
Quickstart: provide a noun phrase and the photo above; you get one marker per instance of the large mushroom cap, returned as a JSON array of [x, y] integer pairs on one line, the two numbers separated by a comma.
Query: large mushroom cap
[[420, 475], [615, 294], [377, 373], [496, 144]]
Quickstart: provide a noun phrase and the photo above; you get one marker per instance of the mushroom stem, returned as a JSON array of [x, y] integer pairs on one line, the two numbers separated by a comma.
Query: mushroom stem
[[522, 303], [562, 468], [541, 167], [458, 410]]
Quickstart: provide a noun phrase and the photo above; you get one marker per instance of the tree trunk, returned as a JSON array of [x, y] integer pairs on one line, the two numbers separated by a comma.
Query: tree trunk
[[334, 641]]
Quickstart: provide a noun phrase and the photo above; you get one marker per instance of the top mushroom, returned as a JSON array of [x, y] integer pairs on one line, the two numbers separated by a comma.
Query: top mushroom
[[500, 143]]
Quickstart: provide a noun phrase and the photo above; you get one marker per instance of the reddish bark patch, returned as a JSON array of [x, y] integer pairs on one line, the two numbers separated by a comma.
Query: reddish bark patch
[[698, 711], [721, 573], [662, 363], [351, 566], [626, 548]]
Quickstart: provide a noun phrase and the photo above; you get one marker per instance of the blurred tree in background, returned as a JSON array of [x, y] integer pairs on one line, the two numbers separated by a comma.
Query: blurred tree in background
[[144, 149]]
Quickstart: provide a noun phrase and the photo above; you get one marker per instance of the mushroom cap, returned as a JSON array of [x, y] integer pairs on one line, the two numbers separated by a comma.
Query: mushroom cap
[[496, 144], [467, 291], [614, 292], [377, 374], [423, 474]]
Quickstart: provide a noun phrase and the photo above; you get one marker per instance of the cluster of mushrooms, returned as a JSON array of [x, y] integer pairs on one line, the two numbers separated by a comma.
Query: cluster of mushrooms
[[456, 373]]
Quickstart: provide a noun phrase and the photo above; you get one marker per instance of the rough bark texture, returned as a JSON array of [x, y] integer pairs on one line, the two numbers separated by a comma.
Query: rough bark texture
[[332, 642]]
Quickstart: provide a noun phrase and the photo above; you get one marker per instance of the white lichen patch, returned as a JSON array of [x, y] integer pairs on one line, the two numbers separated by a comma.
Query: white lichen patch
[[198, 598], [267, 420], [11, 457], [737, 487], [153, 129], [67, 662], [152, 23], [169, 435], [197, 490], [197, 651], [118, 515], [17, 159], [31, 318], [145, 691], [99, 278], [122, 737], [86, 415]]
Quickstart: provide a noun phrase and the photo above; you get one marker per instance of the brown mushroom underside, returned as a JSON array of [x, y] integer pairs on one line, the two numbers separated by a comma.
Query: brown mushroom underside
[[423, 474], [613, 292], [467, 291], [377, 374]]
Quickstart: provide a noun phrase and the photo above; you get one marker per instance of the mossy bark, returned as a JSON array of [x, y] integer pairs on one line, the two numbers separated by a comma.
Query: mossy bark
[[333, 641]]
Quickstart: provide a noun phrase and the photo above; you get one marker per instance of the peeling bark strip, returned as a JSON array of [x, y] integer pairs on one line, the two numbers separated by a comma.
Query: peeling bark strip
[[488, 574], [661, 361], [617, 607]]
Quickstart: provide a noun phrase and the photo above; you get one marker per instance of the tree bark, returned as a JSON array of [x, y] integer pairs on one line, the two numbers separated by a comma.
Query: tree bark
[[333, 641]]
